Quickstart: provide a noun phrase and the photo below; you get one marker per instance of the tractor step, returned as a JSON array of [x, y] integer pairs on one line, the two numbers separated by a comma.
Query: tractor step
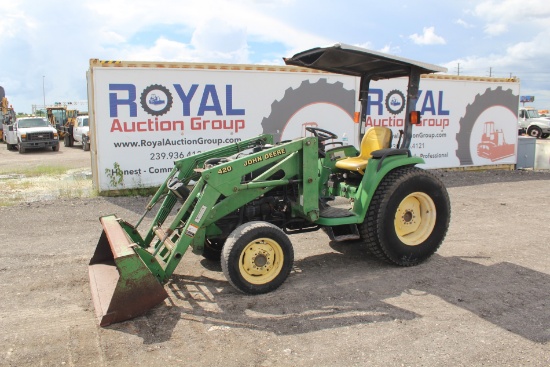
[[344, 232]]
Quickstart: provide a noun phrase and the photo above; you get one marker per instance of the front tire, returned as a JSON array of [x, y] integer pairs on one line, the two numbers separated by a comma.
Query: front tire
[[408, 217], [257, 257], [535, 132], [21, 149], [55, 148]]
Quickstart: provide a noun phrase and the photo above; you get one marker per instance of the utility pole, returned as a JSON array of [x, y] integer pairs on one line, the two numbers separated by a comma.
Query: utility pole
[[44, 91], [458, 69], [490, 71]]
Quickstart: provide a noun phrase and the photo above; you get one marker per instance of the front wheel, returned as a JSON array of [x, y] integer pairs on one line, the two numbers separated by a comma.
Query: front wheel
[[21, 149], [55, 148], [257, 257], [544, 136], [535, 132], [408, 217]]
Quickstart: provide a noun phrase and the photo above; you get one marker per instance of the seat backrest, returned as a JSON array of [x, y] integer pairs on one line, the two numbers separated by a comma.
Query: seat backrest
[[376, 137]]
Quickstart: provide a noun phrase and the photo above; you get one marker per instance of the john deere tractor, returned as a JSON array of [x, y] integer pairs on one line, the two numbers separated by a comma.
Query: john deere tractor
[[240, 203]]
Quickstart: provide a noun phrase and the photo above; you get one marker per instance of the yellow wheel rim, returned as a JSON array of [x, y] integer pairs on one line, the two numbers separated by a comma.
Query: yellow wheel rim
[[415, 218], [261, 261]]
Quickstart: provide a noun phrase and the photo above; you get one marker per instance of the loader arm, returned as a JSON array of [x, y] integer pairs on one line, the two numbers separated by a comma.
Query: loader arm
[[220, 190], [184, 170]]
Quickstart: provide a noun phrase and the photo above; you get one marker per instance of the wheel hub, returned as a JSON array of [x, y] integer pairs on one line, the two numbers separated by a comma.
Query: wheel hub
[[260, 260], [415, 218]]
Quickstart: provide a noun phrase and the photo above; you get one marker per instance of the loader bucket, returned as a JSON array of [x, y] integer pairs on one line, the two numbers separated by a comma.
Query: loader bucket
[[122, 285]]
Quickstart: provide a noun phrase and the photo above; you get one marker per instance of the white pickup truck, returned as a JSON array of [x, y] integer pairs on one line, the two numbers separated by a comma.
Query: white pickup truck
[[532, 123], [81, 132], [31, 133]]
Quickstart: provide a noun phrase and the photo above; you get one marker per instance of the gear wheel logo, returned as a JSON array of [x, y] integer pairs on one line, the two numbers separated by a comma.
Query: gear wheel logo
[[482, 102], [395, 102], [305, 95], [156, 100]]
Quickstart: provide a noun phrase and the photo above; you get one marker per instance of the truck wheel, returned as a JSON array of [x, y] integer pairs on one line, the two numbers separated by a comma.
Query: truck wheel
[[85, 145], [55, 148], [21, 149], [544, 136], [408, 217], [66, 141], [535, 132], [257, 257]]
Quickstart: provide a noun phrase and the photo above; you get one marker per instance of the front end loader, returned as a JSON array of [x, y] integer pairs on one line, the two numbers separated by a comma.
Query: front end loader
[[238, 204]]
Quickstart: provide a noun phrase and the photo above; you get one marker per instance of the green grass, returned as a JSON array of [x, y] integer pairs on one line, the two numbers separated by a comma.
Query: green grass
[[37, 171]]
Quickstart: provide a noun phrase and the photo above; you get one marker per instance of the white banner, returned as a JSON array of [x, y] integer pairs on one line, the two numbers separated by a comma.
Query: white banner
[[144, 119], [464, 122]]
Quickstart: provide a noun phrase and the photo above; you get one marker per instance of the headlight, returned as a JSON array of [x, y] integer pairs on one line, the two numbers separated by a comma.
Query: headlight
[[55, 135], [23, 136]]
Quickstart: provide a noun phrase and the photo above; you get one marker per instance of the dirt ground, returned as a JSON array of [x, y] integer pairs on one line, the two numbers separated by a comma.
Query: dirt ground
[[482, 299]]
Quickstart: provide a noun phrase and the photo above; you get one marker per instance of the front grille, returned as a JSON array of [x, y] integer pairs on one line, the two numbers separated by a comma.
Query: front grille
[[40, 136]]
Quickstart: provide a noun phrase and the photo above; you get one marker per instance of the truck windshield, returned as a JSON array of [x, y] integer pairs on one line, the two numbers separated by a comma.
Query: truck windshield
[[532, 114], [33, 123], [85, 121]]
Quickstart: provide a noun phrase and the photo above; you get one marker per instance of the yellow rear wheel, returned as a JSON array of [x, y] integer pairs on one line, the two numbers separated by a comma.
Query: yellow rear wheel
[[415, 218], [407, 218]]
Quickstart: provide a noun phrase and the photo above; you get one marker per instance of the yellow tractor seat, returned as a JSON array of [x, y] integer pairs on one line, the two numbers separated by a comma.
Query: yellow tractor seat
[[375, 138]]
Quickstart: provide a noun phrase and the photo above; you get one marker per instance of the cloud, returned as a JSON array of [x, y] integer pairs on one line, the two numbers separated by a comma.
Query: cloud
[[58, 42], [428, 37], [495, 29], [464, 24], [499, 14]]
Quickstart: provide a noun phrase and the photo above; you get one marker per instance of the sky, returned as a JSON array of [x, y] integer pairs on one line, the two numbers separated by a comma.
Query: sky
[[45, 46]]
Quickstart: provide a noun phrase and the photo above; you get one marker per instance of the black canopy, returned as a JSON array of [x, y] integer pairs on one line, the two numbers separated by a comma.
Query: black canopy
[[350, 60]]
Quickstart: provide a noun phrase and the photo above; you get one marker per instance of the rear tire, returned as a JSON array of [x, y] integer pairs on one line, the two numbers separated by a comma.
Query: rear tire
[[408, 217], [257, 257]]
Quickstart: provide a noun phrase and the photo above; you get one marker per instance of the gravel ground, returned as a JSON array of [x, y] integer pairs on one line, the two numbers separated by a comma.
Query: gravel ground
[[458, 178], [481, 300]]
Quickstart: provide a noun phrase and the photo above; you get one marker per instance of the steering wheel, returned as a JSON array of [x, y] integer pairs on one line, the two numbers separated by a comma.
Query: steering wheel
[[321, 134]]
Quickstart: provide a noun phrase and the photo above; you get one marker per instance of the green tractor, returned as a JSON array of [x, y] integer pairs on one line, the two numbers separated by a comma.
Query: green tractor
[[240, 203]]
